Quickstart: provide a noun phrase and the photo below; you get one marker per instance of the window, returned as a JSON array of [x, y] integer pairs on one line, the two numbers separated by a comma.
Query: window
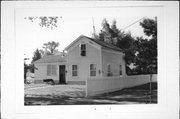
[[92, 70], [83, 49], [109, 70], [120, 69], [51, 70], [74, 70]]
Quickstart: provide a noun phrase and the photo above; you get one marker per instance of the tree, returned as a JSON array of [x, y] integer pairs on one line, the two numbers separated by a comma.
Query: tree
[[147, 49], [142, 53], [125, 42], [49, 48], [111, 34], [144, 56], [148, 52], [36, 56], [26, 67], [25, 71], [105, 34], [114, 36], [150, 27], [44, 21]]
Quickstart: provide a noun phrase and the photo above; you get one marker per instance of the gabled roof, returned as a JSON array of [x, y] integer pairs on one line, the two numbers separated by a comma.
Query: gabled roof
[[52, 59], [101, 43], [105, 45]]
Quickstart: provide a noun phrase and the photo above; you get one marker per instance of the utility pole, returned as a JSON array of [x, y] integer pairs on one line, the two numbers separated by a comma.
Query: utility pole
[[94, 30]]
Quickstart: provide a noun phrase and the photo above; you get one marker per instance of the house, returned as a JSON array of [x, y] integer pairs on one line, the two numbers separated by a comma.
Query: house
[[86, 58], [48, 68]]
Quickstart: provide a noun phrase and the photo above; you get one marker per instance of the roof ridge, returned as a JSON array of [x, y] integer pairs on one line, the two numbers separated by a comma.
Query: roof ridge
[[107, 44]]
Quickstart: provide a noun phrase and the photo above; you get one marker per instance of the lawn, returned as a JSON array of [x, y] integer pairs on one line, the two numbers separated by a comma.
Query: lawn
[[75, 95]]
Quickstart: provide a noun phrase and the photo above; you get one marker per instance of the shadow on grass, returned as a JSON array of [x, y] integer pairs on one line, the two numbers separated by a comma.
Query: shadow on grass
[[135, 95], [139, 94]]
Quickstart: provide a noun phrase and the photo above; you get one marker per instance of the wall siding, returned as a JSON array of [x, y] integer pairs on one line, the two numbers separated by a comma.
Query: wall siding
[[74, 58], [41, 73], [114, 59]]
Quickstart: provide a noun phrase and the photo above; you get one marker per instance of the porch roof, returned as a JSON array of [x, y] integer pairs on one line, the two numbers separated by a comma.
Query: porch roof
[[52, 59]]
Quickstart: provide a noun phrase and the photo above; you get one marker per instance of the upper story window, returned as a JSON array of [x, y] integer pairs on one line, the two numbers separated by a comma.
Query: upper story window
[[51, 70], [74, 70], [83, 49], [120, 69], [92, 70]]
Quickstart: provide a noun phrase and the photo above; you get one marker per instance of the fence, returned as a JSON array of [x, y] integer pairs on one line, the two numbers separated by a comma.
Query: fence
[[109, 84]]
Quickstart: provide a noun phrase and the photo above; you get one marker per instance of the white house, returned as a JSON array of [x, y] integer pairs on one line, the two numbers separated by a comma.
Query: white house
[[49, 67], [86, 58]]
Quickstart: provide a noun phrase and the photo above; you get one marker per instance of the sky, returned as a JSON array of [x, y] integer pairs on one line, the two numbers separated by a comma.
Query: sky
[[74, 22]]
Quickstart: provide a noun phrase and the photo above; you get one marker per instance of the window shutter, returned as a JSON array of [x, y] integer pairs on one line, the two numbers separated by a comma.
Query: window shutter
[[54, 69], [48, 70]]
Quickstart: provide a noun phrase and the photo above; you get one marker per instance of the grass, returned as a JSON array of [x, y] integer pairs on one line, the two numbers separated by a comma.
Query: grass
[[75, 95], [28, 86]]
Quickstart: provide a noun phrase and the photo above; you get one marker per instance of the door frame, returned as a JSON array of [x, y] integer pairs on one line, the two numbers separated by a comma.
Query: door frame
[[62, 81]]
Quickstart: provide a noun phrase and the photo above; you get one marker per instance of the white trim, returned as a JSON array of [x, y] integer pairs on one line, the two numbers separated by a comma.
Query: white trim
[[55, 63], [91, 42], [86, 50], [87, 41], [73, 70], [66, 48], [94, 44], [93, 70], [79, 38], [51, 70], [109, 70]]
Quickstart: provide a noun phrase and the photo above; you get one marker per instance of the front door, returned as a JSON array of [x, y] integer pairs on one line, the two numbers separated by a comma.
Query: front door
[[62, 74]]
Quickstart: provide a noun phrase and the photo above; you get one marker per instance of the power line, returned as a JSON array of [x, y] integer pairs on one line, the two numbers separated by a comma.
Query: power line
[[132, 24]]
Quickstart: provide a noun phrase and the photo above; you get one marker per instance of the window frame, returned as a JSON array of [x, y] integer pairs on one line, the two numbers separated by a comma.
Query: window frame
[[109, 73], [93, 70], [48, 73], [50, 70], [83, 50], [120, 69], [74, 70], [53, 70]]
